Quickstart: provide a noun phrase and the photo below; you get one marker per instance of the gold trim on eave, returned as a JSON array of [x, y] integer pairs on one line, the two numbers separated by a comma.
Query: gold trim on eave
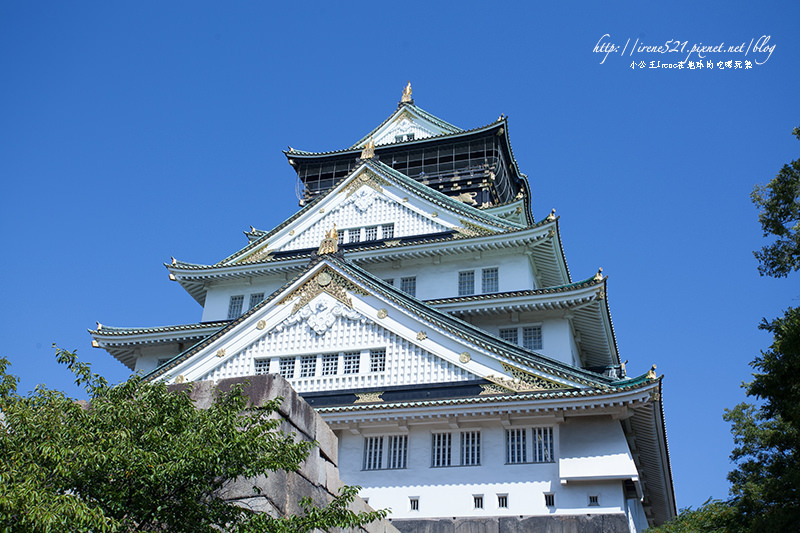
[[328, 281]]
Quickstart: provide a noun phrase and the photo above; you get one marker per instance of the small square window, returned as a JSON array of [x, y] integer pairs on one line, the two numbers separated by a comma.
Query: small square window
[[532, 338], [371, 233], [413, 504], [308, 365], [286, 368], [330, 361], [466, 283], [262, 366], [387, 231], [235, 306], [409, 285], [509, 335], [550, 500], [351, 363], [354, 235], [477, 499], [502, 501], [255, 299], [594, 500]]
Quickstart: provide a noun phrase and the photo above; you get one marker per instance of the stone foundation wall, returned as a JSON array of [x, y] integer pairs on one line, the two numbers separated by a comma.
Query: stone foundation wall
[[318, 476], [595, 523]]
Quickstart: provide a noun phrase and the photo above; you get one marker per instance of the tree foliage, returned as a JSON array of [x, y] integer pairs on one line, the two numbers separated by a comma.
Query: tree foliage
[[137, 457], [779, 201]]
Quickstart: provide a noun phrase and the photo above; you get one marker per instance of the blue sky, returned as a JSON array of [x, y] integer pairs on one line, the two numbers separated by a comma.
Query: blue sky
[[135, 132]]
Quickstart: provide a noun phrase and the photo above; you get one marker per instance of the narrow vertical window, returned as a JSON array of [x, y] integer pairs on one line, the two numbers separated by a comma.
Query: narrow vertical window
[[477, 500], [509, 335], [398, 451], [502, 501], [308, 365], [409, 285], [340, 237], [470, 448], [330, 362], [235, 306], [594, 500], [377, 360], [550, 500], [351, 363], [532, 337], [373, 453], [441, 449], [262, 366], [542, 445], [286, 367], [490, 280], [516, 450], [466, 283], [413, 504], [255, 299]]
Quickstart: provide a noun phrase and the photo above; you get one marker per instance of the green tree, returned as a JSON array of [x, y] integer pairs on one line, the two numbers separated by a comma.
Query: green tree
[[779, 201], [137, 457]]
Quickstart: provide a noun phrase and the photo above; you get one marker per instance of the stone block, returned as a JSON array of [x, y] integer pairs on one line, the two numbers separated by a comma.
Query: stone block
[[328, 442]]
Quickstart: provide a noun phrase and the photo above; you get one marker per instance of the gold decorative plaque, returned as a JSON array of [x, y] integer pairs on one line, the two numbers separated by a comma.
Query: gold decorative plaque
[[261, 324], [221, 352], [324, 279], [382, 313], [180, 379], [421, 336], [464, 357]]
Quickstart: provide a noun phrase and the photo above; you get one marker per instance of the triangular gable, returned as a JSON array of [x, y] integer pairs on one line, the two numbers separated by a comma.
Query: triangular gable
[[378, 197], [335, 308], [408, 122]]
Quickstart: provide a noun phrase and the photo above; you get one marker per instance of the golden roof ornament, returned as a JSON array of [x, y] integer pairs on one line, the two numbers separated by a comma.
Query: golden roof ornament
[[552, 215], [651, 374], [406, 99], [599, 275], [330, 243], [369, 150]]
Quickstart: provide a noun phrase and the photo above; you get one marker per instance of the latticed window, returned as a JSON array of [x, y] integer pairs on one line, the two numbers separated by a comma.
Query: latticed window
[[489, 280], [550, 500], [286, 367], [532, 337], [255, 299], [409, 285], [387, 231], [235, 306], [470, 448], [373, 453], [542, 445], [377, 360], [308, 365], [440, 451], [351, 363], [509, 335], [340, 236], [398, 451], [353, 235], [329, 364], [466, 283], [516, 449], [262, 366], [371, 233]]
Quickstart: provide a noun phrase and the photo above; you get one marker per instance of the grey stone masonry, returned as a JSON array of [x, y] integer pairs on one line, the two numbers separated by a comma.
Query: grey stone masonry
[[317, 477]]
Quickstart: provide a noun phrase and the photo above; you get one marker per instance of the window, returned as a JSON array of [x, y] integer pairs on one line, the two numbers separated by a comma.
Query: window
[[255, 299], [286, 367], [409, 285], [387, 231], [477, 500], [371, 233], [353, 235], [377, 360], [509, 335], [308, 365], [515, 446], [532, 337], [489, 280], [441, 450], [389, 281], [413, 504], [470, 448], [262, 366], [550, 500], [351, 363], [542, 445], [594, 500], [502, 501], [466, 283], [235, 306], [394, 456], [330, 362], [340, 237], [398, 451], [409, 136], [398, 138], [373, 453]]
